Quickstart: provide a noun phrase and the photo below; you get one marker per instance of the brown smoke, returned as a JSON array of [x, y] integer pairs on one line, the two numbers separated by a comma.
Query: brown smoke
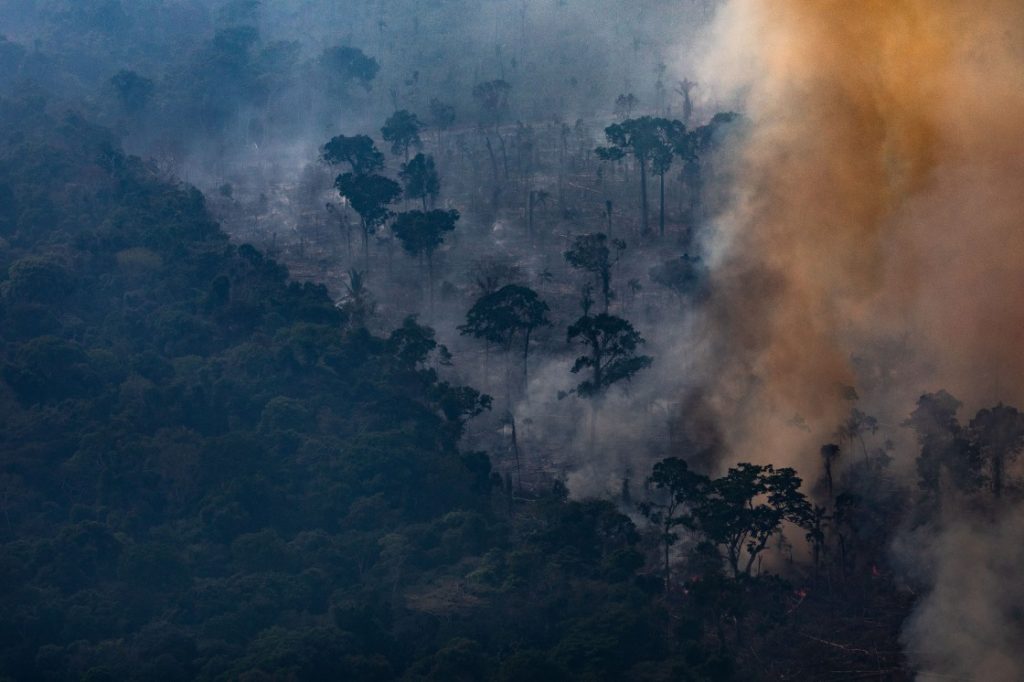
[[880, 216], [881, 198]]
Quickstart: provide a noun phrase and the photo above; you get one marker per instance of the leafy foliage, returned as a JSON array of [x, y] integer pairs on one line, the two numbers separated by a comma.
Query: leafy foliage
[[611, 344]]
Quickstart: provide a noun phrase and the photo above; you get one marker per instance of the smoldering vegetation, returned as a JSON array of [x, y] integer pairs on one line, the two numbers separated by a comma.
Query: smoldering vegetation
[[511, 339]]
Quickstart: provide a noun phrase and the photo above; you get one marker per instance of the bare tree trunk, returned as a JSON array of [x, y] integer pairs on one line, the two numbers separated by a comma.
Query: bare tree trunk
[[366, 244], [515, 451], [661, 213], [430, 279], [494, 168], [643, 197]]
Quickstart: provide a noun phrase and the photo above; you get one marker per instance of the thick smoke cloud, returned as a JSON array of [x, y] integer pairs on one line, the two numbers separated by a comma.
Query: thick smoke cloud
[[878, 199], [878, 208]]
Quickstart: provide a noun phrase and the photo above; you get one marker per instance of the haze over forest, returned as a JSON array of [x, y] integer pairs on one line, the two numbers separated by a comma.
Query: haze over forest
[[511, 340]]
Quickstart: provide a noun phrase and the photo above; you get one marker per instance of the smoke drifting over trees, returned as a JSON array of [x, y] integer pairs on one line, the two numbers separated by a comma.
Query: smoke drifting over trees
[[511, 339]]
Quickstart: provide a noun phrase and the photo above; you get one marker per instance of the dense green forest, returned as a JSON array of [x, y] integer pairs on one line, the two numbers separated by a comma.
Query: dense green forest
[[417, 340], [211, 473]]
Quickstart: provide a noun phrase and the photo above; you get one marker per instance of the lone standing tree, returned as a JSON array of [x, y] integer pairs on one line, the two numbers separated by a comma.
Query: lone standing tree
[[591, 253], [611, 355], [402, 130], [499, 316], [650, 142], [611, 345], [421, 179], [421, 232], [370, 195]]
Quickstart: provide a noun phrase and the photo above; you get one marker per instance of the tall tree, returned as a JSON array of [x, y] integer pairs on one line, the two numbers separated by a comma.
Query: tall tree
[[648, 140], [612, 346], [998, 436], [947, 451], [741, 511], [402, 130], [358, 303], [500, 316], [682, 489], [422, 232], [442, 117], [492, 98], [594, 254], [421, 180], [369, 195], [669, 134]]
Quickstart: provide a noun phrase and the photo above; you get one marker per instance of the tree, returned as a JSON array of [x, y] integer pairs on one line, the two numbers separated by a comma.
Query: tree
[[611, 344], [591, 253], [421, 232], [997, 434], [370, 195], [683, 88], [421, 179], [358, 151], [344, 64], [696, 148], [945, 446], [499, 316], [668, 134], [829, 454], [442, 116], [402, 130], [742, 510], [492, 98], [358, 303], [855, 426], [647, 140], [683, 490]]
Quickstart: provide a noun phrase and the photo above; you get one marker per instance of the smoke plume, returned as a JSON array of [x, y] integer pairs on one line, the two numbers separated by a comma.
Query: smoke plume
[[879, 202], [879, 206]]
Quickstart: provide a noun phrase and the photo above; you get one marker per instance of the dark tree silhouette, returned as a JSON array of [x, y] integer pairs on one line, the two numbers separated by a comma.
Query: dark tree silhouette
[[682, 490], [650, 141], [669, 133], [611, 344], [498, 317], [402, 130], [358, 151], [945, 446], [997, 435], [345, 64], [742, 510], [442, 117], [370, 195], [594, 254], [492, 98], [421, 232], [358, 303], [421, 180]]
